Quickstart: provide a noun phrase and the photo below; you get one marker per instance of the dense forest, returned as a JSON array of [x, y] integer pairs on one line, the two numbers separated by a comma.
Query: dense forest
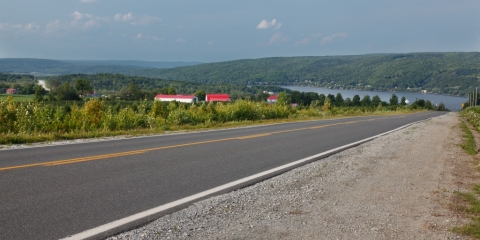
[[441, 73]]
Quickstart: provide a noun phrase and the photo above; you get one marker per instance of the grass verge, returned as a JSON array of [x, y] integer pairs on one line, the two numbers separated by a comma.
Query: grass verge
[[21, 138], [469, 203], [469, 145]]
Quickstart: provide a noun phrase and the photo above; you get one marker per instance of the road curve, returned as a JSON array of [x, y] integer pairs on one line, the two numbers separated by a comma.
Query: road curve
[[56, 191]]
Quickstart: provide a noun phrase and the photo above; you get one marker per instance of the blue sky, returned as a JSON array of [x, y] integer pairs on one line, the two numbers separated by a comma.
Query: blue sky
[[216, 30]]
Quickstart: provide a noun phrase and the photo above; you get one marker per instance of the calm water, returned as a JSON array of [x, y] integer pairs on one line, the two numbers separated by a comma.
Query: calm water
[[452, 103]]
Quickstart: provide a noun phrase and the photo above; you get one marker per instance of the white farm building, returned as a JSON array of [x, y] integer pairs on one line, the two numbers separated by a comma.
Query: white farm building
[[178, 98]]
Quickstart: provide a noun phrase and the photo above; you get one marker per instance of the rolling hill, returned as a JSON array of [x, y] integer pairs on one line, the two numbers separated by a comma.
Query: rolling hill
[[57, 67], [442, 73], [454, 73]]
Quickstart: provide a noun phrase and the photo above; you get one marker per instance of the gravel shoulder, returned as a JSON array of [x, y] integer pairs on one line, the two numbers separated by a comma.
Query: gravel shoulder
[[398, 186]]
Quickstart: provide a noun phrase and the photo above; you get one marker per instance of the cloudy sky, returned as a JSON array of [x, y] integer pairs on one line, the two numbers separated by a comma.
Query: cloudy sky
[[221, 30]]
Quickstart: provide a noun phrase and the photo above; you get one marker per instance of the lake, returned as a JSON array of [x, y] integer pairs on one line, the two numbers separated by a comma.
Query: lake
[[451, 102]]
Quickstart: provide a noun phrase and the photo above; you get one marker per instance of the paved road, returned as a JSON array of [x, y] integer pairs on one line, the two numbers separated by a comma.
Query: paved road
[[56, 191]]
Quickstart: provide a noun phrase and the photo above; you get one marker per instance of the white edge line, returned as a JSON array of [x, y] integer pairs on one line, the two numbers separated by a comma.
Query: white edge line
[[111, 225]]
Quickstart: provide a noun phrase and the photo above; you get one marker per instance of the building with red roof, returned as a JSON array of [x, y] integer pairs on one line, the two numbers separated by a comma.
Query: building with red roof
[[217, 98], [178, 98], [272, 99]]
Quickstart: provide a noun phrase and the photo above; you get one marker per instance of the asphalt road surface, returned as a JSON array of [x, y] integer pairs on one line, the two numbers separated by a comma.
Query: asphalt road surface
[[56, 191]]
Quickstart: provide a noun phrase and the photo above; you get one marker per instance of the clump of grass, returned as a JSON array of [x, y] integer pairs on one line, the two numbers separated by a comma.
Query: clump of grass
[[469, 145], [473, 208], [472, 229]]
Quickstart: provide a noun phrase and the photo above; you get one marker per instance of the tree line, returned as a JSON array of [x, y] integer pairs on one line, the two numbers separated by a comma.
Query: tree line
[[308, 98]]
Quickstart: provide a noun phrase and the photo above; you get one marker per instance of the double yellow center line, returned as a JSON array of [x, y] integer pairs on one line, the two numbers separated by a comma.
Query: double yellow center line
[[135, 152]]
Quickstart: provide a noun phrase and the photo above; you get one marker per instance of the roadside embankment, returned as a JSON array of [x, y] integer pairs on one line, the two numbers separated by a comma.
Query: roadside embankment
[[398, 186]]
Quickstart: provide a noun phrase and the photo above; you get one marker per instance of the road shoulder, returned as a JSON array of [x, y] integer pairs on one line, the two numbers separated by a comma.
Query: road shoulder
[[398, 186]]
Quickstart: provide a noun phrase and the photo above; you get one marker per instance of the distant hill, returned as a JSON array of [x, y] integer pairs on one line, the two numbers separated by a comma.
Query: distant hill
[[132, 63], [442, 73], [57, 67]]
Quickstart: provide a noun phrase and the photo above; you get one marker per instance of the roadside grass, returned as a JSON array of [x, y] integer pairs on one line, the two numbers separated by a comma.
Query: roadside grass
[[468, 202], [28, 138], [470, 144], [18, 97]]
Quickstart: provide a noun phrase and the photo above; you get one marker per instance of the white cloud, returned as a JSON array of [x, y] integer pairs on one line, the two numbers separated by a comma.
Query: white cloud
[[31, 26], [329, 39], [142, 36], [304, 41], [84, 21], [307, 40], [136, 20], [124, 17], [264, 24], [277, 38], [155, 38], [145, 20], [53, 26], [19, 27]]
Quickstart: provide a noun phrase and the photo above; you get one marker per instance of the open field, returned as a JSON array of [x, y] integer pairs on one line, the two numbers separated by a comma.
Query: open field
[[18, 97]]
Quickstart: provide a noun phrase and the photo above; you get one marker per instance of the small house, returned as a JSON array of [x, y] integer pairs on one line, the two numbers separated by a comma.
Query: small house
[[178, 98], [11, 91], [272, 99], [217, 98]]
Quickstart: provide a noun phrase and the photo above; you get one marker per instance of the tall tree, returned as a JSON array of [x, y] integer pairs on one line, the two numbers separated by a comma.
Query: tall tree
[[29, 88], [321, 99], [339, 99], [83, 86], [376, 101], [366, 102], [200, 94], [428, 105], [332, 99], [171, 91], [39, 92], [394, 100], [283, 99], [66, 92], [356, 100]]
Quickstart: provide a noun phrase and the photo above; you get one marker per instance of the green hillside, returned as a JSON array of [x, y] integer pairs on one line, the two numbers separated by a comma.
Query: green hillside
[[444, 73]]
